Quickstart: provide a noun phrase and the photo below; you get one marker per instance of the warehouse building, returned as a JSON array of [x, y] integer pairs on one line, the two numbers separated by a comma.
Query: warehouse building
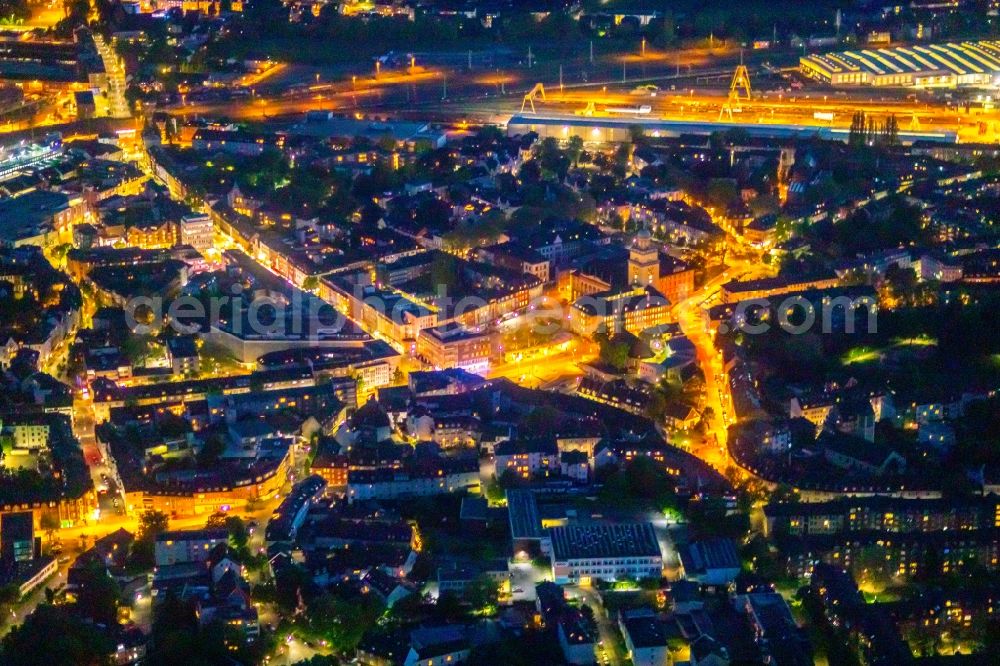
[[617, 130], [953, 65]]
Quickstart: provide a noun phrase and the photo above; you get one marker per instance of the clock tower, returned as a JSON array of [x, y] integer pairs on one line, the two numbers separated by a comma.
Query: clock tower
[[643, 261]]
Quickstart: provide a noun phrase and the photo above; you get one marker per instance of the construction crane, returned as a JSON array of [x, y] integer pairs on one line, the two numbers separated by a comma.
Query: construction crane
[[740, 83], [529, 98]]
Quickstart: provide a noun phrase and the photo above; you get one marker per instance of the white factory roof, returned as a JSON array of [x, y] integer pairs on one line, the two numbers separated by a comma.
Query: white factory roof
[[953, 58]]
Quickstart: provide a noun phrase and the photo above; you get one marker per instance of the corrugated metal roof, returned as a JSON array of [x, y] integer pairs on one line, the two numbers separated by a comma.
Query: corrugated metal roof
[[960, 59]]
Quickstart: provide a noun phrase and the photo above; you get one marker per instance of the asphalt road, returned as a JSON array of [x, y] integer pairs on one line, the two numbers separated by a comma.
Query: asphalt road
[[543, 370], [691, 317], [609, 650]]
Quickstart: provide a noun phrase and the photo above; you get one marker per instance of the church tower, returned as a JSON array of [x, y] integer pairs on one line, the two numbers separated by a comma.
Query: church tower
[[643, 261]]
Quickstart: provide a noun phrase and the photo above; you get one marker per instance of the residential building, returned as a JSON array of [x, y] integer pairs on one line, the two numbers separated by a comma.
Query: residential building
[[291, 513], [887, 515], [577, 634], [152, 234], [856, 453], [182, 353], [230, 139], [518, 257], [17, 537], [526, 458], [575, 465], [645, 638], [735, 291], [775, 632], [27, 431], [450, 476], [180, 547]]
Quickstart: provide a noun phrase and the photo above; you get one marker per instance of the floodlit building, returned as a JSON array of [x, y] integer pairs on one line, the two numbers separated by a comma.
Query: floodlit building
[[197, 231], [27, 431], [952, 65], [607, 551], [454, 346], [635, 309]]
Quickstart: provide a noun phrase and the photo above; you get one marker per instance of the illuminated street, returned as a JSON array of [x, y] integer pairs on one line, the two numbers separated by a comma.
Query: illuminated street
[[417, 332], [692, 317], [548, 369]]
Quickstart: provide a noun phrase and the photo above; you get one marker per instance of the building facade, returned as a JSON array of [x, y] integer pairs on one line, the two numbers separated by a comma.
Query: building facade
[[581, 553], [455, 347]]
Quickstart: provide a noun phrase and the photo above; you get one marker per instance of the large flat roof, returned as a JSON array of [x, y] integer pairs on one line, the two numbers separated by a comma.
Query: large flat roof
[[957, 58], [30, 214], [525, 521], [521, 123], [594, 540]]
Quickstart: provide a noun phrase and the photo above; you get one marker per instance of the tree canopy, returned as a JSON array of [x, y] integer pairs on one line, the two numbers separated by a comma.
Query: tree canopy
[[54, 635]]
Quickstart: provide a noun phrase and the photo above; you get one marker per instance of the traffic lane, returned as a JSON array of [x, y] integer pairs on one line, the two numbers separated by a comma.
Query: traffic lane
[[607, 650]]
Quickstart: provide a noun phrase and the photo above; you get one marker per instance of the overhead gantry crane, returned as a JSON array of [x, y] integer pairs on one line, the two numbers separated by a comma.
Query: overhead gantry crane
[[529, 98], [739, 85]]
